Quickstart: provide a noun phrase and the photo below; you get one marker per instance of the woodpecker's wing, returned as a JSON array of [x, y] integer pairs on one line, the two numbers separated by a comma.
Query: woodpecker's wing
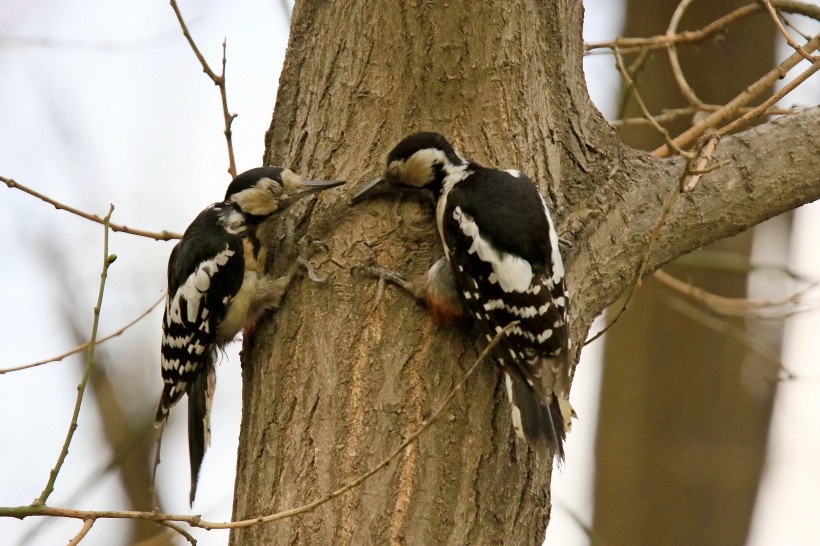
[[205, 271], [504, 252]]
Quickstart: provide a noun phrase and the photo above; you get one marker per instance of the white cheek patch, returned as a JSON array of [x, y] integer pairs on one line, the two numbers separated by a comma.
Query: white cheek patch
[[514, 274], [194, 288], [291, 181], [260, 200], [418, 169]]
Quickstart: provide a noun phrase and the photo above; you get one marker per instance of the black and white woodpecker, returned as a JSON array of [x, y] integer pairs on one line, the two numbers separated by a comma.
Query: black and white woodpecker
[[217, 286], [502, 264]]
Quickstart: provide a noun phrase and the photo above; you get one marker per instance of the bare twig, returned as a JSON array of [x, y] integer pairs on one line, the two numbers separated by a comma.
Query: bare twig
[[670, 201], [185, 534], [219, 81], [159, 236], [40, 509], [671, 114], [763, 109], [700, 168], [633, 45], [729, 306], [779, 24], [674, 62], [731, 108], [85, 345], [740, 335], [631, 85], [87, 525], [108, 259]]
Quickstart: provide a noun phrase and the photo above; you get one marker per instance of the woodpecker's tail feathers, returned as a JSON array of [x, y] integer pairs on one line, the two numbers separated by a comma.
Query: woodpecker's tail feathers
[[171, 393], [543, 426], [200, 396]]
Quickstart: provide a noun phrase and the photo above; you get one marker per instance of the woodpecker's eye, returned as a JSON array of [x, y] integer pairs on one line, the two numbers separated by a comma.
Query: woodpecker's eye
[[394, 171]]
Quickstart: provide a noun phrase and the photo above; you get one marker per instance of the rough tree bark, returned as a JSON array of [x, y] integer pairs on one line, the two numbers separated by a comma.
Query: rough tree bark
[[332, 384]]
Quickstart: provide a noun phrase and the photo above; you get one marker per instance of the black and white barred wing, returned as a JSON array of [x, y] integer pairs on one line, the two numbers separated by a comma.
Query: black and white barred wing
[[204, 272], [518, 278]]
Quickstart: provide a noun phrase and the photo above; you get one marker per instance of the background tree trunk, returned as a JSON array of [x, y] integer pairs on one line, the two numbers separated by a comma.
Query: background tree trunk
[[685, 408], [332, 384]]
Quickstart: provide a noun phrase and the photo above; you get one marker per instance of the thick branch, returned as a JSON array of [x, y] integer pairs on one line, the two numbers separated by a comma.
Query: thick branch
[[772, 168]]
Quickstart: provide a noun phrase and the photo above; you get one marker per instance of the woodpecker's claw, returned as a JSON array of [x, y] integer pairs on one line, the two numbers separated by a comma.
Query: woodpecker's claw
[[307, 246], [384, 276]]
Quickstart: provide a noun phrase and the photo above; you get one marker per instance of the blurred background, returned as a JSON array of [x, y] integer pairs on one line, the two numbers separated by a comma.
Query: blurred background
[[695, 427]]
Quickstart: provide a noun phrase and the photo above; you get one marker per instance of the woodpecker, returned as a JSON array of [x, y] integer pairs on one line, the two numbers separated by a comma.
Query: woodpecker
[[216, 286], [502, 264]]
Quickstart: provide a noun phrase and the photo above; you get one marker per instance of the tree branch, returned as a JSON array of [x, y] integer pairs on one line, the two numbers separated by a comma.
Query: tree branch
[[108, 259], [771, 168], [219, 81], [38, 507], [159, 236], [84, 346]]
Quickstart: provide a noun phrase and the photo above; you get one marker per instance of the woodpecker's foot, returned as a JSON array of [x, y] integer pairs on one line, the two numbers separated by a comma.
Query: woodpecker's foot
[[271, 289], [307, 247], [384, 276]]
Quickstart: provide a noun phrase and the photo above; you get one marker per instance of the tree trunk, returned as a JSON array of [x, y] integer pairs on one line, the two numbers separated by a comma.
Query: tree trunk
[[686, 468], [332, 384]]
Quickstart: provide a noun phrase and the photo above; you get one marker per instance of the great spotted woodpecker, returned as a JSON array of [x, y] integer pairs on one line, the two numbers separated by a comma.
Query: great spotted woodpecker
[[502, 264], [216, 286]]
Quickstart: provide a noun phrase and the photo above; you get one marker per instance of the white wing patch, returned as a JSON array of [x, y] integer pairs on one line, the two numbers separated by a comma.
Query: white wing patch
[[557, 262], [195, 286], [513, 273], [516, 413]]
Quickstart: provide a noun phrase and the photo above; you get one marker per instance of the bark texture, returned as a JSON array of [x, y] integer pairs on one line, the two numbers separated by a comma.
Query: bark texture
[[332, 383]]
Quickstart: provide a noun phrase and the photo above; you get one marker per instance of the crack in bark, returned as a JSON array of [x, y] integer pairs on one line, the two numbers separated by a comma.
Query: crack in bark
[[407, 466]]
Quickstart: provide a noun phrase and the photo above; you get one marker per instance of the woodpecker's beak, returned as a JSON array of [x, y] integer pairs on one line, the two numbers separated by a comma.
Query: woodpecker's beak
[[304, 187], [374, 187]]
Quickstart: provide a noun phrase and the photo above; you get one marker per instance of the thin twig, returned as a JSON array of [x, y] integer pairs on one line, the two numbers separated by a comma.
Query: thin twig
[[87, 525], [631, 85], [185, 534], [39, 509], [763, 109], [671, 114], [700, 167], [730, 109], [85, 345], [219, 81], [779, 24], [159, 236], [674, 62], [635, 45], [740, 335], [108, 259], [725, 305], [673, 197]]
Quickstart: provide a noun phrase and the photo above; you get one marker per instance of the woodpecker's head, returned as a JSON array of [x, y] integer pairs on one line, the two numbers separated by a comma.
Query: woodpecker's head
[[264, 191], [421, 160]]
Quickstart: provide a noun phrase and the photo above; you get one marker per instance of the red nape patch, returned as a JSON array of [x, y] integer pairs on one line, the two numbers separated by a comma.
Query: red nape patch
[[442, 310]]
